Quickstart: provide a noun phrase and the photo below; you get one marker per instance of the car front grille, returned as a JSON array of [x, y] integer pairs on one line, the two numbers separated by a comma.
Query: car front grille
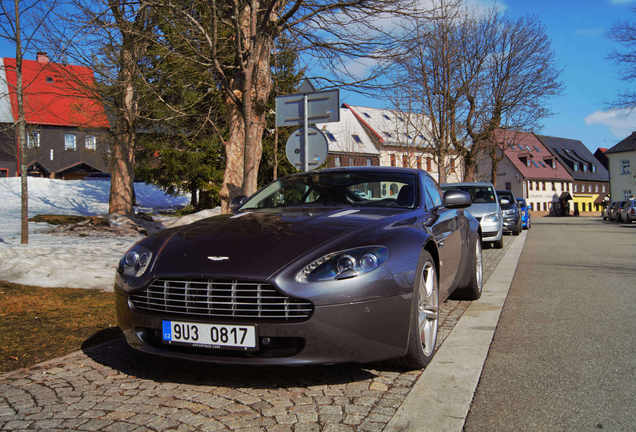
[[227, 300]]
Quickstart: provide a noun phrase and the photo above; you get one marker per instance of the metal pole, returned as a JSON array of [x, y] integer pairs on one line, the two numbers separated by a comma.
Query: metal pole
[[306, 138]]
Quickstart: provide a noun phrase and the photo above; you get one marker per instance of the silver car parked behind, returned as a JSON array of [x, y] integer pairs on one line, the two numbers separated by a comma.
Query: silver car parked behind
[[485, 208]]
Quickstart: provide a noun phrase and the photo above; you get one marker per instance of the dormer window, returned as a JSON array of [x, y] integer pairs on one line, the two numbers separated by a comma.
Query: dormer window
[[584, 167], [386, 116], [593, 168], [330, 136], [356, 138], [367, 115], [576, 166], [49, 79], [388, 134], [524, 160]]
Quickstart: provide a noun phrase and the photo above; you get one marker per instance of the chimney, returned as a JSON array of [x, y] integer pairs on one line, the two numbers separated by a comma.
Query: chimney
[[41, 57]]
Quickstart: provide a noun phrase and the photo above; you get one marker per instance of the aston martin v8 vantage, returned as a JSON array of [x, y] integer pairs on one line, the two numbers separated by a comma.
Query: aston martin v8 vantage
[[337, 265]]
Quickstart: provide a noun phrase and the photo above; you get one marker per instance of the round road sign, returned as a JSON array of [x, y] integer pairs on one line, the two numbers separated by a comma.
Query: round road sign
[[317, 148]]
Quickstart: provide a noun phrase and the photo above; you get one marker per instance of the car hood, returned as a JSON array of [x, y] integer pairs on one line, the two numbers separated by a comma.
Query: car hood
[[480, 210], [256, 244]]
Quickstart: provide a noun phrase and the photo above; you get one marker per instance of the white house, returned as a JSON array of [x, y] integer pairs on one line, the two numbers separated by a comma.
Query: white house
[[622, 168]]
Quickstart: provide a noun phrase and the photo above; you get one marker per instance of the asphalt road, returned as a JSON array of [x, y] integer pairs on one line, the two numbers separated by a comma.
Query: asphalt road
[[563, 356]]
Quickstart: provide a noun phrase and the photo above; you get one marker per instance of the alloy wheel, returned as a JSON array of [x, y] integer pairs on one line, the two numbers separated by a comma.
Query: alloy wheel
[[428, 309], [479, 268]]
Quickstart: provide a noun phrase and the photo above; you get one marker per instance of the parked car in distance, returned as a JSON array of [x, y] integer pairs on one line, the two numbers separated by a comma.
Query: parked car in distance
[[485, 208], [627, 212], [606, 210], [614, 210], [306, 271], [526, 223], [510, 212]]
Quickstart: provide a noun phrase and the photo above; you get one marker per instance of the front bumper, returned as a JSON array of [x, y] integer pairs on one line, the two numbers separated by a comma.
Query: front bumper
[[353, 332], [491, 231], [511, 223]]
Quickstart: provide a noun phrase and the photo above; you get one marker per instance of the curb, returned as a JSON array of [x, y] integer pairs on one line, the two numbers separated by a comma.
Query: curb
[[442, 395]]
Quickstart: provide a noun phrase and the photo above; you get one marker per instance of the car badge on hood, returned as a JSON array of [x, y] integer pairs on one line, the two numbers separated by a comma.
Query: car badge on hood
[[218, 258]]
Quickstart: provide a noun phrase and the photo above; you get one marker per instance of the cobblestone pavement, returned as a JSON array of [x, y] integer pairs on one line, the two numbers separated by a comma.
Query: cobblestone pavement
[[111, 388]]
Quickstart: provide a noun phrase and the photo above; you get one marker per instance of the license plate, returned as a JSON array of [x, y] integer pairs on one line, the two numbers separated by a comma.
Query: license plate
[[209, 335]]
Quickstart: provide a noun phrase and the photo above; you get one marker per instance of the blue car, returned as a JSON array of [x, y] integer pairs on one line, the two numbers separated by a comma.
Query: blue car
[[525, 213]]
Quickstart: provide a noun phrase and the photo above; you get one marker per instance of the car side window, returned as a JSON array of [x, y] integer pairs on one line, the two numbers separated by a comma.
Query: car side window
[[433, 192]]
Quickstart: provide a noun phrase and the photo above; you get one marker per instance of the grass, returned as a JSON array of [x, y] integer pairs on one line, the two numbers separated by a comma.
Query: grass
[[38, 324]]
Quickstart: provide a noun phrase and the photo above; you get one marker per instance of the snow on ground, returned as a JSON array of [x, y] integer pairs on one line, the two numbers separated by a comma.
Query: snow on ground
[[57, 260]]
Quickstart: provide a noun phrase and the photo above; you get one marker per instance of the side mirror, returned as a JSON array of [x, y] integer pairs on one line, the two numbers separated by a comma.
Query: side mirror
[[504, 201], [457, 199], [237, 202]]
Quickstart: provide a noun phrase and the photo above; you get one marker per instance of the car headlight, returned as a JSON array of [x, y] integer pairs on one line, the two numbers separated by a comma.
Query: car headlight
[[343, 265], [491, 218], [136, 261]]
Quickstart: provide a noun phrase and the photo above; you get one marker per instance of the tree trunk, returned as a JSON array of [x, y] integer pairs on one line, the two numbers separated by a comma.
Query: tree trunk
[[122, 175], [493, 169], [469, 168], [194, 202], [441, 166], [24, 185], [233, 176]]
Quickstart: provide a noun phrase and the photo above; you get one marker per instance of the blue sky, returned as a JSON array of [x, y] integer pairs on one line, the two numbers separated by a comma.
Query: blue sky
[[578, 30]]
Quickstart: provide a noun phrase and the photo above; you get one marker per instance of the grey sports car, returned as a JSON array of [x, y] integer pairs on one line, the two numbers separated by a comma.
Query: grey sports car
[[338, 265]]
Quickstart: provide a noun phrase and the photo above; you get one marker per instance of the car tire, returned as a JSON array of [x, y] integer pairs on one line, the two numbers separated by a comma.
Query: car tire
[[424, 316], [498, 244], [473, 290]]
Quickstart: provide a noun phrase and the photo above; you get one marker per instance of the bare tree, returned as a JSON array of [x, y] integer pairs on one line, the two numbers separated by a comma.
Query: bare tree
[[112, 37], [240, 38], [625, 34], [22, 22], [477, 73]]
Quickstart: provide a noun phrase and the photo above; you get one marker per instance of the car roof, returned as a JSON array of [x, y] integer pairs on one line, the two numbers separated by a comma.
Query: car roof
[[467, 184]]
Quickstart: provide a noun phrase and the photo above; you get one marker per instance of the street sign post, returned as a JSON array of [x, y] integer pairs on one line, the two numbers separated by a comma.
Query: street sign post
[[304, 109]]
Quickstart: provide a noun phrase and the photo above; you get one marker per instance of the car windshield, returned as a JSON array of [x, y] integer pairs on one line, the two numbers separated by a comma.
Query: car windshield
[[478, 194], [338, 188]]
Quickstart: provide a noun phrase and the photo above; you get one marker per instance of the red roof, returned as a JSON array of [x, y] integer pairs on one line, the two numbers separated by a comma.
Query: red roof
[[56, 94], [524, 146]]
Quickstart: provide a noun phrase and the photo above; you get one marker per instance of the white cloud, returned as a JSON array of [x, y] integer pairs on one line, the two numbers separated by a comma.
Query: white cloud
[[621, 122]]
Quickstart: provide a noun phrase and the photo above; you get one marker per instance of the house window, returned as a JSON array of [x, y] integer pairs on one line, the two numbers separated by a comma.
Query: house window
[[576, 187], [393, 160], [33, 140], [593, 168], [367, 115], [388, 134], [529, 184], [90, 142], [585, 169], [386, 116], [4, 172], [625, 168], [596, 188], [603, 188], [336, 161], [330, 136], [553, 186], [419, 162], [627, 194], [452, 164], [405, 161], [542, 185], [69, 142], [356, 138], [428, 164], [576, 166], [51, 154], [508, 186], [369, 162]]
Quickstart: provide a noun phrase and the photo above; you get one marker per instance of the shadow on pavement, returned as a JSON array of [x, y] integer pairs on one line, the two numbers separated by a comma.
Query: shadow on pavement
[[117, 355]]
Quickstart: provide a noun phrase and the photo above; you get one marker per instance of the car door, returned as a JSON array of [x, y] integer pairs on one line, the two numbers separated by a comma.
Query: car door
[[447, 233]]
